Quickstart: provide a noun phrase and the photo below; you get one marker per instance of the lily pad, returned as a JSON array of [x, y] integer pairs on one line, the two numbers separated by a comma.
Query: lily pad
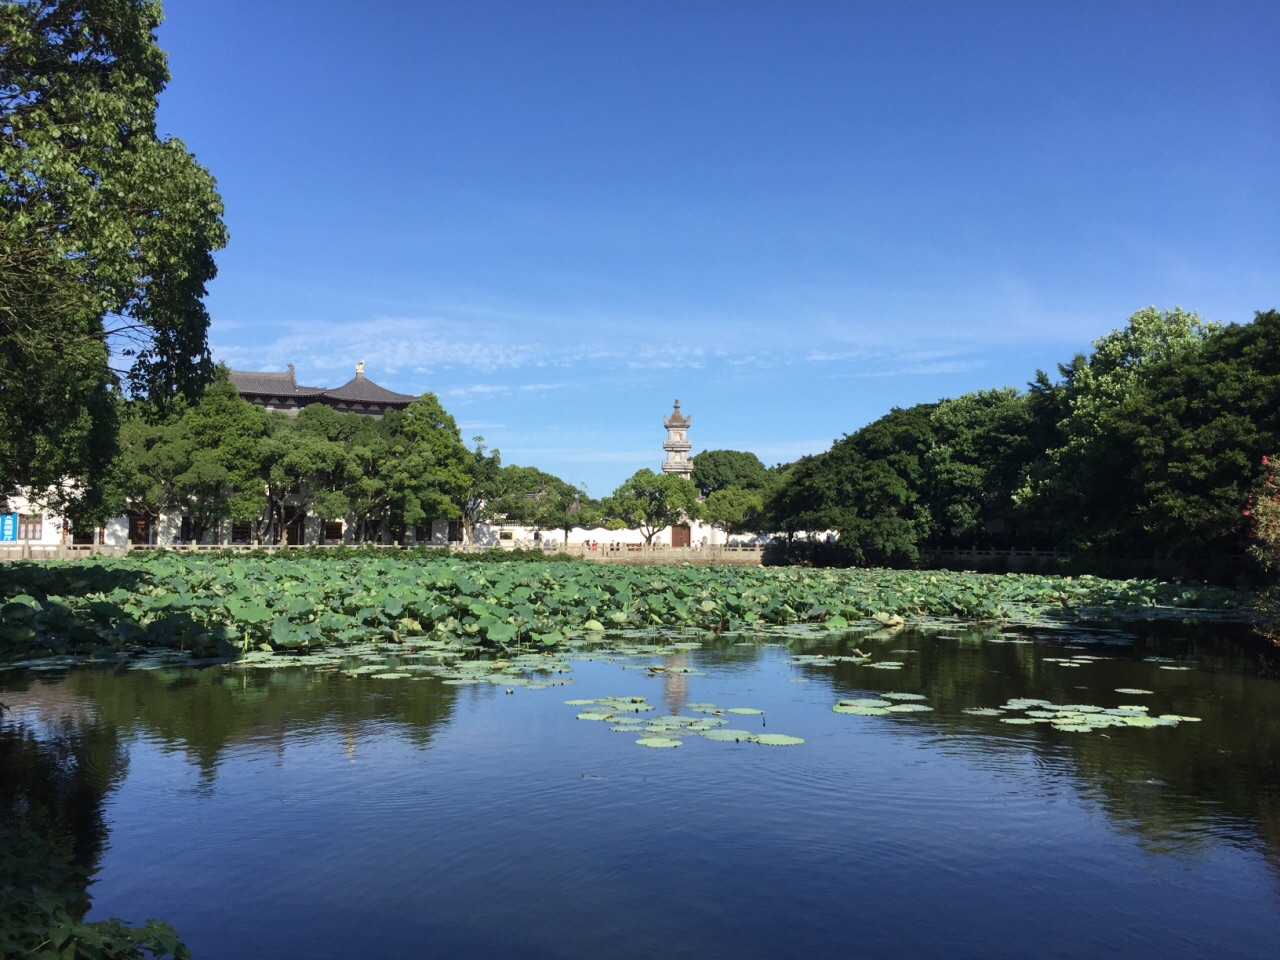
[[777, 739], [858, 711], [659, 742], [730, 735]]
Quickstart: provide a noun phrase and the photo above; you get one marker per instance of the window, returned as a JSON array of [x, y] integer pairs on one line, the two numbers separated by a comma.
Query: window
[[333, 531], [30, 526], [241, 531]]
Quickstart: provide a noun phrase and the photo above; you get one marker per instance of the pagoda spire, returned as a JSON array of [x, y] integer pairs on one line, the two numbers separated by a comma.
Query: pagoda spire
[[677, 445]]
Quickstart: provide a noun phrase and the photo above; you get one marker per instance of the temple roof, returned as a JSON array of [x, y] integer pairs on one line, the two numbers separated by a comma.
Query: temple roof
[[360, 390], [356, 390], [270, 384]]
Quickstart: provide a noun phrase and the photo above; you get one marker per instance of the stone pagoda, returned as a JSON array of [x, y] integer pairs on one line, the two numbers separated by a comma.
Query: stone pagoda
[[677, 445]]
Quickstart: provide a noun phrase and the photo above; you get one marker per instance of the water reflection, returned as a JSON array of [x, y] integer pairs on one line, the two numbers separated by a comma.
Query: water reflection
[[59, 766], [204, 712], [1218, 779], [521, 806]]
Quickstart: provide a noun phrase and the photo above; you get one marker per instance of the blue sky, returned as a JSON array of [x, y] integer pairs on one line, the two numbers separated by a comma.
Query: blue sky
[[560, 216]]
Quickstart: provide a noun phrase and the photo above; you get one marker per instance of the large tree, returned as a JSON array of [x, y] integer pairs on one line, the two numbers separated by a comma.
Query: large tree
[[719, 469], [106, 238], [1088, 486], [734, 510], [649, 501]]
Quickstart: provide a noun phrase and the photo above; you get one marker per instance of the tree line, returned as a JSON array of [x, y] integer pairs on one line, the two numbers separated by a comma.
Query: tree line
[[1150, 443], [219, 459]]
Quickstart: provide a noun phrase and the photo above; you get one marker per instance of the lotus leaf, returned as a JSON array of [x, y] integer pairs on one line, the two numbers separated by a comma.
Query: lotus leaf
[[866, 702], [861, 711], [723, 734]]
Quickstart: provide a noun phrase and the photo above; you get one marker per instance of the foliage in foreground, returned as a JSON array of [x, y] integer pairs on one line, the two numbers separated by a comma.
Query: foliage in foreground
[[1264, 518], [42, 905], [225, 604], [107, 232]]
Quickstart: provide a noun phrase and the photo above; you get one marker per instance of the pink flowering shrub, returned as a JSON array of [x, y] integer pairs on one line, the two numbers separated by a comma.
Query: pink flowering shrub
[[1264, 515], [1264, 519]]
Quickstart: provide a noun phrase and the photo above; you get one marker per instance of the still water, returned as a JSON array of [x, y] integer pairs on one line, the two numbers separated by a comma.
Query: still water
[[291, 813]]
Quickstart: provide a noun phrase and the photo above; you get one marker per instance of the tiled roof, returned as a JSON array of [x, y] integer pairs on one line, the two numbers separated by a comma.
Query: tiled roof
[[360, 390], [270, 384], [356, 390]]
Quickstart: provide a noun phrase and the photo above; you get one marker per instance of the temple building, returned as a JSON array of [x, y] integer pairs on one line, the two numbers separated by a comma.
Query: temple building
[[677, 445], [281, 391]]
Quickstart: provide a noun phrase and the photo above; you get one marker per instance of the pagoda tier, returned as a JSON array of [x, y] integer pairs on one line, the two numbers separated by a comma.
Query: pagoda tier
[[677, 444]]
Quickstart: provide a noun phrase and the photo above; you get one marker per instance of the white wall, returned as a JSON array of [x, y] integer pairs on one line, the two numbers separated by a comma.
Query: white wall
[[50, 525]]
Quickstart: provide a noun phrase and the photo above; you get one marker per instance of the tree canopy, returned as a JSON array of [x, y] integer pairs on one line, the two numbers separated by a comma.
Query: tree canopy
[[107, 234], [1150, 443], [719, 469], [649, 502]]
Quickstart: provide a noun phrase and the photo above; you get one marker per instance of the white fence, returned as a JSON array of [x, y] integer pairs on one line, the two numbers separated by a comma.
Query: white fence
[[600, 552]]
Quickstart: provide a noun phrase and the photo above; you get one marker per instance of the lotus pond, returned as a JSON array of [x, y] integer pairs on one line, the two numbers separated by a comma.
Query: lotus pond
[[1057, 783]]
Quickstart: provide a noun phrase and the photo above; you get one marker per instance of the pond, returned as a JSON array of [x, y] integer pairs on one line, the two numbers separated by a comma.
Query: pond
[[305, 813]]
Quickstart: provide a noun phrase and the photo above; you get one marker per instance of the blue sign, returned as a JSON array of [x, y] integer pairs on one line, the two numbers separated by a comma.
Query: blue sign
[[8, 528]]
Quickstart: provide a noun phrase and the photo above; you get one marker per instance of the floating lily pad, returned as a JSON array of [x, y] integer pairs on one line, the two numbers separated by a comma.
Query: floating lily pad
[[1142, 721], [909, 708], [904, 696], [860, 711], [751, 711], [777, 739], [729, 735], [1132, 691], [981, 711], [659, 742]]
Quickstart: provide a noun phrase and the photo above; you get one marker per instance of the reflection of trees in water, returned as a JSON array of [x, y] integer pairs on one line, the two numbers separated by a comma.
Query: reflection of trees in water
[[1178, 789], [58, 771], [204, 712]]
